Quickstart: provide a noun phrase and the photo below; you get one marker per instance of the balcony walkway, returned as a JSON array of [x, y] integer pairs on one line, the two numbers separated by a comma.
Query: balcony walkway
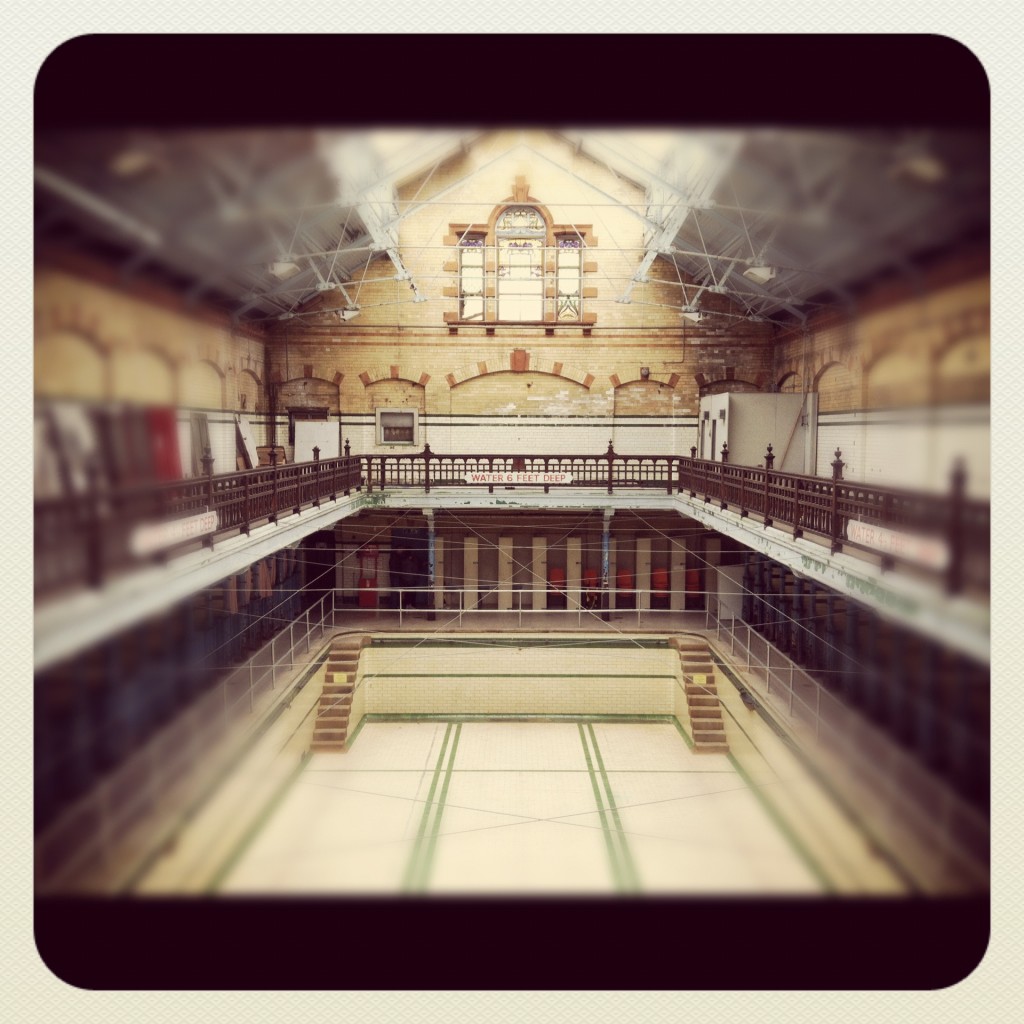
[[111, 557]]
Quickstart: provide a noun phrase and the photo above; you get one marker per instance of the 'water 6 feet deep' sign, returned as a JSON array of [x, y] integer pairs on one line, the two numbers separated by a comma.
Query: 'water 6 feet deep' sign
[[518, 477]]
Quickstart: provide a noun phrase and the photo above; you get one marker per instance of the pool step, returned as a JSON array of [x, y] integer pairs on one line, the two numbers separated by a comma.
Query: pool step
[[330, 731], [702, 701]]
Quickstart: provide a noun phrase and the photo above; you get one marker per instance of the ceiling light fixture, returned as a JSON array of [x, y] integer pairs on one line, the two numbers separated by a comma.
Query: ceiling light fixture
[[284, 267], [347, 314], [759, 274]]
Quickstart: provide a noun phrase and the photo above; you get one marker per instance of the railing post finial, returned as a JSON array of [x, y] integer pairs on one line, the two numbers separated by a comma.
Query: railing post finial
[[207, 461], [837, 466], [693, 451], [769, 458], [725, 451], [316, 453], [348, 448]]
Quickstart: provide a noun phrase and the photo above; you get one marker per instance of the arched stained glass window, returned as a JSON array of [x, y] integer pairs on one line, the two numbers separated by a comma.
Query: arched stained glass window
[[521, 235], [519, 267]]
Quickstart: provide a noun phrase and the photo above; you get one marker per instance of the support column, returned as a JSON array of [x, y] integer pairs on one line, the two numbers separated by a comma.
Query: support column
[[643, 573], [505, 562], [677, 555], [606, 560], [748, 586], [573, 571], [850, 645], [438, 583], [832, 659], [431, 601], [539, 573], [470, 572], [799, 619], [613, 565]]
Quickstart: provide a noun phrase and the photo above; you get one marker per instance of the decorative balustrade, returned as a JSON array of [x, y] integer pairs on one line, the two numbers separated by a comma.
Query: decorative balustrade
[[89, 536]]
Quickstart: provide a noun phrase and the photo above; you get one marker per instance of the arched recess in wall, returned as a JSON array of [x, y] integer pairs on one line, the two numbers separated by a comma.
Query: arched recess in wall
[[837, 389], [305, 398], [646, 398], [249, 397], [143, 376], [897, 378], [530, 393], [68, 364], [727, 384], [395, 393], [202, 385], [790, 384], [963, 371]]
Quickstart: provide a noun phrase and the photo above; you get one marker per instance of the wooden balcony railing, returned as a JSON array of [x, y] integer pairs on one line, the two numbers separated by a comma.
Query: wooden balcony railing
[[89, 537], [86, 538]]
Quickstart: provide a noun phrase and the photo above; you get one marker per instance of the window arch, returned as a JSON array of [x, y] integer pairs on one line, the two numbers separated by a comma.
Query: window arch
[[520, 267]]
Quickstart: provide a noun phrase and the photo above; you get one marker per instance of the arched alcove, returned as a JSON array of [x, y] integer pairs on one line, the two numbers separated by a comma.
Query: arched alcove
[[68, 364]]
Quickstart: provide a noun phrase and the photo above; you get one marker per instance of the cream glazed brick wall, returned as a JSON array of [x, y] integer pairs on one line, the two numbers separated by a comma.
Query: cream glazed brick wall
[[92, 337], [484, 435], [518, 681]]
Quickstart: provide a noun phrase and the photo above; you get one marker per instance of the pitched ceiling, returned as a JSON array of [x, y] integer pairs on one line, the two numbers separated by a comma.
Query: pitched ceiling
[[261, 222]]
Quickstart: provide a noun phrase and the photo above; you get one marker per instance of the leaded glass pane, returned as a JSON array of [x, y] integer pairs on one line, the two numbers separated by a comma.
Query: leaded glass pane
[[568, 304], [521, 278], [471, 278]]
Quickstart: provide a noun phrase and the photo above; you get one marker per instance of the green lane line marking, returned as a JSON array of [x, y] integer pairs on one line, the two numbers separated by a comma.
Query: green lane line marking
[[629, 868], [609, 845], [441, 674], [428, 858], [555, 643], [411, 870], [682, 731], [783, 826], [359, 729], [492, 716], [243, 845]]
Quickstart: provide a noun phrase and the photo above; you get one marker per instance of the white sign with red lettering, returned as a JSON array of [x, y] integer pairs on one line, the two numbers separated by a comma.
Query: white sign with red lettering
[[927, 551], [518, 477], [154, 536]]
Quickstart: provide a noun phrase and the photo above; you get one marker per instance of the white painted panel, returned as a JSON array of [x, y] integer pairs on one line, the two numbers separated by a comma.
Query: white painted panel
[[248, 440], [915, 449], [315, 433], [223, 445], [730, 591], [185, 445]]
